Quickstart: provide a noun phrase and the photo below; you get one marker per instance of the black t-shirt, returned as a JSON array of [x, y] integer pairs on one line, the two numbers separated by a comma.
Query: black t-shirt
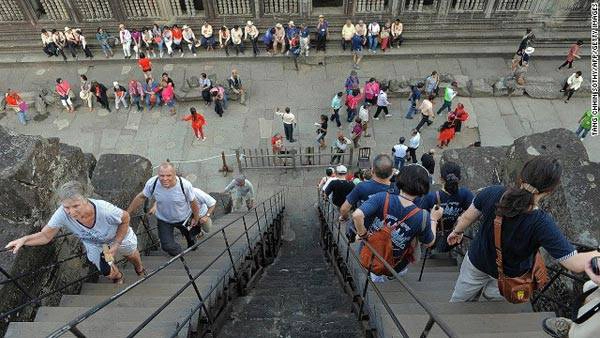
[[339, 189], [323, 127], [521, 237], [428, 162]]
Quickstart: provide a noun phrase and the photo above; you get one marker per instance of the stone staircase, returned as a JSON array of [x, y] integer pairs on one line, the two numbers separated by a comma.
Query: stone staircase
[[474, 319], [298, 295], [123, 315]]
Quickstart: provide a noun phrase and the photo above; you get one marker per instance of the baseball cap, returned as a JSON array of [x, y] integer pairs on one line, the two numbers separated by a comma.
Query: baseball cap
[[341, 169]]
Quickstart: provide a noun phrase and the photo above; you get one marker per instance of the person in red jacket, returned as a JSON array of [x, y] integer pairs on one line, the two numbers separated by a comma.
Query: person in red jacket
[[446, 133], [573, 54], [198, 122], [145, 65], [352, 101], [459, 115]]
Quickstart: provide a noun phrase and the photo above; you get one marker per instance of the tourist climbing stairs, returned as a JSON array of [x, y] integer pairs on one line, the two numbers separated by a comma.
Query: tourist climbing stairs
[[179, 294], [413, 305]]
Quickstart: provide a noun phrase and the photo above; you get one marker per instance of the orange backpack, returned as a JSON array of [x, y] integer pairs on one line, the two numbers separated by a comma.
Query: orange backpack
[[381, 241]]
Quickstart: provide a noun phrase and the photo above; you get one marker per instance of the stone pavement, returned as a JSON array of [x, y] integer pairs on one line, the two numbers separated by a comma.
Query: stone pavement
[[273, 83]]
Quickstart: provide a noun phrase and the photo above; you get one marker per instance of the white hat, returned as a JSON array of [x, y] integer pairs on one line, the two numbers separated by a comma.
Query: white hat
[[341, 169], [115, 83], [278, 25], [291, 23], [321, 16], [67, 28], [186, 26], [249, 23], [529, 50]]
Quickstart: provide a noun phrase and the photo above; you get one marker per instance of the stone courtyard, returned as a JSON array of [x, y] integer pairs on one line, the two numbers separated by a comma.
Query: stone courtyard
[[273, 83]]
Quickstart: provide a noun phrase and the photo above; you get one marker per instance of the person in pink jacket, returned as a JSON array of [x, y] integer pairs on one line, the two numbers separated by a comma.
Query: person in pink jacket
[[371, 91], [168, 97], [63, 89]]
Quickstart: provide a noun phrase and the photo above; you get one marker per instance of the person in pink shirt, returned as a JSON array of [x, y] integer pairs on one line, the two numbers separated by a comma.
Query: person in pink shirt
[[352, 101], [168, 97], [63, 89], [371, 91], [136, 93], [573, 54], [357, 131]]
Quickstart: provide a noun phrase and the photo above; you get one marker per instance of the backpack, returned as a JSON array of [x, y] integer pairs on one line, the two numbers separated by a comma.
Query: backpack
[[381, 241]]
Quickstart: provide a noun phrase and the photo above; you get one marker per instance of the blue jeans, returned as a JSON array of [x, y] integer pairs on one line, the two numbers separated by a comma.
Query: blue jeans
[[106, 49], [447, 105], [372, 42], [148, 101], [412, 109], [225, 101], [336, 116], [398, 162], [22, 116], [351, 114], [581, 132]]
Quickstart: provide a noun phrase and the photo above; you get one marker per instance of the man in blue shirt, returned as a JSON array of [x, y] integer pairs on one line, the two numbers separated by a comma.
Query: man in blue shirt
[[414, 98], [382, 172], [304, 39], [357, 49]]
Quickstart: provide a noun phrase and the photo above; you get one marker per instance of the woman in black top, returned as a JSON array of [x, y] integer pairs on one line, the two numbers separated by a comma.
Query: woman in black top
[[99, 90], [525, 228], [322, 131]]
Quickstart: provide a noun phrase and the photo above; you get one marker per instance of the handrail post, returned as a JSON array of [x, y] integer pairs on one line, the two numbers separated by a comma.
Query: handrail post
[[76, 332], [144, 219], [193, 281], [364, 293], [246, 232], [230, 255], [17, 284], [262, 239]]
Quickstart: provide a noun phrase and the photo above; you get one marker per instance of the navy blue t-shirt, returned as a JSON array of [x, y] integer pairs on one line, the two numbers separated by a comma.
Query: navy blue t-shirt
[[453, 205], [404, 233], [362, 192], [357, 42], [521, 237]]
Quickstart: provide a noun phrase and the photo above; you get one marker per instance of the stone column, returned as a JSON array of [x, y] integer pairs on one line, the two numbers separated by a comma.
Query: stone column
[[393, 5], [489, 7], [443, 8], [118, 12]]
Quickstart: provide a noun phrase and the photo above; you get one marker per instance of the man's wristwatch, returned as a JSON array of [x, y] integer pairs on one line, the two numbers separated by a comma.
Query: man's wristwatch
[[207, 215]]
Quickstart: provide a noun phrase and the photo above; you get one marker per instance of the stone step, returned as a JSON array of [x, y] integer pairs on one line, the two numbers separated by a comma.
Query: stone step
[[463, 324], [455, 308], [204, 283], [127, 301], [93, 329], [111, 315]]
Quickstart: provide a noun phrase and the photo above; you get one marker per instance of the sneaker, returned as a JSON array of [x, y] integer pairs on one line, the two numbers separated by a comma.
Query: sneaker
[[388, 115], [557, 327], [182, 54], [195, 54], [376, 118], [204, 138]]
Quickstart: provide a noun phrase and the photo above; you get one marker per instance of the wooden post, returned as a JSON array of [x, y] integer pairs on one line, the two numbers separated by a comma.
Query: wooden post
[[225, 168], [351, 155]]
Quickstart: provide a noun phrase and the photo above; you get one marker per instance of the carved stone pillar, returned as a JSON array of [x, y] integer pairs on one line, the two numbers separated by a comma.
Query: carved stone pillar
[[443, 8], [489, 7], [93, 10], [10, 11], [56, 10]]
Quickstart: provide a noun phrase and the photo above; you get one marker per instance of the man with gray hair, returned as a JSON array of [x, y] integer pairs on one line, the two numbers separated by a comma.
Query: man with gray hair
[[382, 171], [242, 191], [100, 226], [175, 205]]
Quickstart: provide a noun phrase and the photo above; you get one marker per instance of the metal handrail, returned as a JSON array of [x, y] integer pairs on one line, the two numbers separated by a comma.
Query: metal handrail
[[434, 318], [72, 325], [37, 300]]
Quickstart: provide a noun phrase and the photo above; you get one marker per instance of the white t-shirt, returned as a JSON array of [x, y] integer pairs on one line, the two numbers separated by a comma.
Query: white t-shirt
[[400, 150], [171, 204], [363, 113], [108, 218], [204, 200], [415, 141]]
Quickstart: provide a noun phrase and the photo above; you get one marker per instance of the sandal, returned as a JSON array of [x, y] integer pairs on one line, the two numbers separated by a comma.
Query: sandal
[[141, 272], [119, 280]]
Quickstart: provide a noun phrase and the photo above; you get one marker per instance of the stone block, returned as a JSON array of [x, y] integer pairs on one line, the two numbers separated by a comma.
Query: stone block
[[90, 163], [118, 178], [542, 87], [224, 203], [480, 88], [26, 175], [481, 166], [461, 80], [73, 166]]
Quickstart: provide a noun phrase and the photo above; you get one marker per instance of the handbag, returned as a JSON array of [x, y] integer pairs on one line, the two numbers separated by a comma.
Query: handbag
[[518, 289], [381, 241]]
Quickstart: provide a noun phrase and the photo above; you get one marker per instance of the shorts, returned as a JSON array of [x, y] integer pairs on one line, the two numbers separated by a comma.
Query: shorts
[[171, 103], [94, 251], [358, 52]]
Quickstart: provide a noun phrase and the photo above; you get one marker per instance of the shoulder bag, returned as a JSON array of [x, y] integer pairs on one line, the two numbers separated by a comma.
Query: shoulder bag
[[518, 289]]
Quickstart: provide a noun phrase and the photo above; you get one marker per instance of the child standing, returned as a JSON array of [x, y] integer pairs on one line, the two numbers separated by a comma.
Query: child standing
[[197, 121]]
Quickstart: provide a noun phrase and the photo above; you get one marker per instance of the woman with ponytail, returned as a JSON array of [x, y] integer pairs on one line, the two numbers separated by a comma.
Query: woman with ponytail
[[525, 228], [452, 198]]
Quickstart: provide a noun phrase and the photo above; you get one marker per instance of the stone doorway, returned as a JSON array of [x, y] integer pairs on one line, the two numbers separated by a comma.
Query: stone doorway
[[38, 10], [328, 7]]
